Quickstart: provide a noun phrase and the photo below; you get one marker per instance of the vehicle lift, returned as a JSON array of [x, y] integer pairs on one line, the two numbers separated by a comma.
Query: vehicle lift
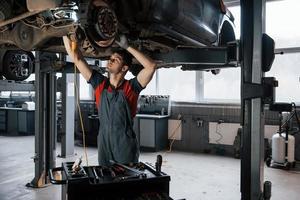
[[46, 85], [254, 53]]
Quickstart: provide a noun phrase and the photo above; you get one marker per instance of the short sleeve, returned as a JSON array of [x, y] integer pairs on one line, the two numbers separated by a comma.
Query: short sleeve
[[136, 86], [96, 79]]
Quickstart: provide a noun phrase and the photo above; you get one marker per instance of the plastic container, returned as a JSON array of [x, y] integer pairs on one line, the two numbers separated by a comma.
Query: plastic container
[[278, 148]]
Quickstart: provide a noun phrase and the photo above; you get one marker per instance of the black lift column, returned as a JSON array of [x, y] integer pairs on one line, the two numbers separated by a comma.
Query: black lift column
[[45, 118], [252, 27]]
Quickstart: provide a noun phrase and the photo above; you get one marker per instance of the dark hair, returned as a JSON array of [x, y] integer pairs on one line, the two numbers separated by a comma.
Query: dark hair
[[126, 56]]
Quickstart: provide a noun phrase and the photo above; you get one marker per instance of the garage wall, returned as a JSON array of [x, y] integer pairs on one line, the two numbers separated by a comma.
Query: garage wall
[[197, 119]]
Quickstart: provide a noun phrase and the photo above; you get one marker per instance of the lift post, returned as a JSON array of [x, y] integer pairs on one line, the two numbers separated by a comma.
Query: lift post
[[252, 77], [45, 120], [68, 108]]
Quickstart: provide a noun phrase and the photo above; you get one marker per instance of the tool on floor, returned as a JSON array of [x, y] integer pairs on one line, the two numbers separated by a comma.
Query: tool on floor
[[76, 165], [73, 49], [129, 169], [158, 163]]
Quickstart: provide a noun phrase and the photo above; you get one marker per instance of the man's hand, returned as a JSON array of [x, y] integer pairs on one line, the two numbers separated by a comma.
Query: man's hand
[[122, 41], [73, 53], [77, 58]]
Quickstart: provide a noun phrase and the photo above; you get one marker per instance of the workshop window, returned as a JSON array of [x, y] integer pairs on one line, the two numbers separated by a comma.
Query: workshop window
[[282, 22], [85, 89], [129, 76], [286, 70], [180, 85], [151, 88], [14, 95], [236, 12], [4, 94], [276, 22], [223, 87], [31, 78]]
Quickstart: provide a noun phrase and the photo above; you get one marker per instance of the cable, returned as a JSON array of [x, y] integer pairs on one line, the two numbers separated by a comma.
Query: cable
[[73, 48], [172, 135], [292, 114], [295, 110], [173, 140], [218, 133]]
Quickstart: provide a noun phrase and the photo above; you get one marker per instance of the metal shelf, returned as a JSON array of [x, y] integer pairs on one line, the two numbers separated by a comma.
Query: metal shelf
[[7, 85]]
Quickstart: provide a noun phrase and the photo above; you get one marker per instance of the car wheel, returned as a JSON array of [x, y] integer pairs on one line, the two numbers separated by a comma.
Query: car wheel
[[102, 24], [226, 35], [18, 65]]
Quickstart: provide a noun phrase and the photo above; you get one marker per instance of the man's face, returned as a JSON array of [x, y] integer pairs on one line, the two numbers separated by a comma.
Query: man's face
[[115, 64]]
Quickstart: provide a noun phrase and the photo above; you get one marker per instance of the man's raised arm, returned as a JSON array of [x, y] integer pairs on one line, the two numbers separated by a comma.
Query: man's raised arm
[[78, 59], [146, 74]]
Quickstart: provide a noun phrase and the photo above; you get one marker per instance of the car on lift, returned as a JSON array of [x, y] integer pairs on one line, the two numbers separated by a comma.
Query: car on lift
[[154, 26]]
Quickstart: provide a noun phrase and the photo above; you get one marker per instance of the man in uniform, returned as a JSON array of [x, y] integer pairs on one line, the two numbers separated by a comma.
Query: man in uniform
[[116, 99]]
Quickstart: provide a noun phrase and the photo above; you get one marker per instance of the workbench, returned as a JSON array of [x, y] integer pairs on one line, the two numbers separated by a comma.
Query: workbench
[[16, 121], [152, 131]]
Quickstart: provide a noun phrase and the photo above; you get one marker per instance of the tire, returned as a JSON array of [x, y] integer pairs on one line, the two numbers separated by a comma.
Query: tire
[[226, 35], [17, 65]]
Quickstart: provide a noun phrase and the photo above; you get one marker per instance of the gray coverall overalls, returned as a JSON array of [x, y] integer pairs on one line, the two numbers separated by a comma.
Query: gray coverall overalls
[[116, 138]]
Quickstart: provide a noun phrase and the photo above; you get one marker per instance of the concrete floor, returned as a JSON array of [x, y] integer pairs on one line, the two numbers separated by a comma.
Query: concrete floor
[[193, 176]]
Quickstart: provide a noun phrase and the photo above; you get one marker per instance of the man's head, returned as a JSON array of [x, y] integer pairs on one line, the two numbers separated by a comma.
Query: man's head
[[119, 62]]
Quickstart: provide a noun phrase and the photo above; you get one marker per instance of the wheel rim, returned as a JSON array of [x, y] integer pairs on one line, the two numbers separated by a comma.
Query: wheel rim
[[18, 65]]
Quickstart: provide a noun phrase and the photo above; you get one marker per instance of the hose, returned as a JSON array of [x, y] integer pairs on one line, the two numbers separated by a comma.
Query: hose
[[296, 115], [291, 116], [73, 48]]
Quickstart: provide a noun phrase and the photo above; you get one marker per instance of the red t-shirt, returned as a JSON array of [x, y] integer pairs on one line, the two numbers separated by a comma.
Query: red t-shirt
[[131, 89]]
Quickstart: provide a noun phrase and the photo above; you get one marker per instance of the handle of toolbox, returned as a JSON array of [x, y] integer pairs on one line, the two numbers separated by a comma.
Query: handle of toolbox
[[55, 181]]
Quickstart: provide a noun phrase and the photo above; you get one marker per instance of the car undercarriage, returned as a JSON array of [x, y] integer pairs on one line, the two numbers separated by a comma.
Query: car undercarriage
[[152, 26]]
